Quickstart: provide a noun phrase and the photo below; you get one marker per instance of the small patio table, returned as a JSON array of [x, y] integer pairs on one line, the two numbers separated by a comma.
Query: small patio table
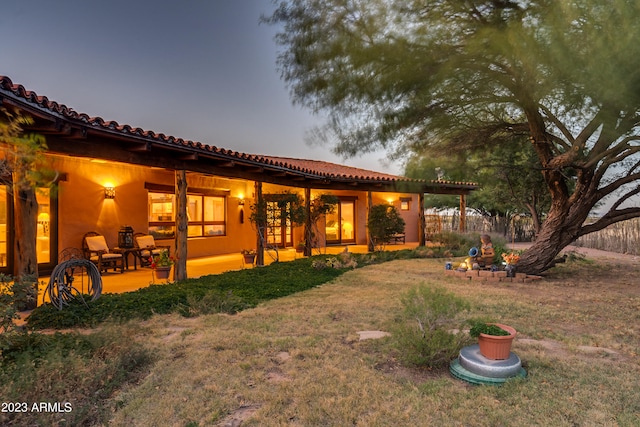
[[125, 254]]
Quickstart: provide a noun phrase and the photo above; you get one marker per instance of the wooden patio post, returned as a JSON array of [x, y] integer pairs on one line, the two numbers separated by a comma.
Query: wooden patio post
[[463, 213], [180, 268], [307, 222], [370, 246], [260, 223], [421, 221]]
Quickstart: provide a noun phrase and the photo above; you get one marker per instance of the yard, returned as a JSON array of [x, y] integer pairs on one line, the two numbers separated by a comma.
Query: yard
[[298, 360]]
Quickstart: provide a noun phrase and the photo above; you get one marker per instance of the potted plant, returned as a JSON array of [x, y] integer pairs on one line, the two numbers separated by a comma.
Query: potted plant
[[249, 255], [510, 260], [300, 247], [161, 264], [494, 339]]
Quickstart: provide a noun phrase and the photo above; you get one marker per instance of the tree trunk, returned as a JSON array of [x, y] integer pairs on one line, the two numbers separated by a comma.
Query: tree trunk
[[370, 245], [180, 269], [26, 221], [560, 229]]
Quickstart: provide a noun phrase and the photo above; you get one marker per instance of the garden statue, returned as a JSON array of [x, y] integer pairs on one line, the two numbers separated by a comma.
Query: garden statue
[[487, 251]]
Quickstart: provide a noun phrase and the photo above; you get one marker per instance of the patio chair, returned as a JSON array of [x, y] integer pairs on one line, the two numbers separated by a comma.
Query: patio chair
[[95, 249], [147, 248]]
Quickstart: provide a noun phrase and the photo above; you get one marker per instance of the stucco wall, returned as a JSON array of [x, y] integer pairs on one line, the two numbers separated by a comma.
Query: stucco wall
[[83, 207]]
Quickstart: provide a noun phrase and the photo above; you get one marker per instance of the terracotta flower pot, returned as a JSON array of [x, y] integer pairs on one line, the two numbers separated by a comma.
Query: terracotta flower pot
[[162, 272], [497, 347], [249, 259]]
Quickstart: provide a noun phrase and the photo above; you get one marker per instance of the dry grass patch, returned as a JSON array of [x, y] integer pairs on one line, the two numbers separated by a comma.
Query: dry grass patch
[[298, 360]]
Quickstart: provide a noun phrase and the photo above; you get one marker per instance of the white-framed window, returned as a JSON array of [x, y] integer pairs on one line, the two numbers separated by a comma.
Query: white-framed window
[[405, 203]]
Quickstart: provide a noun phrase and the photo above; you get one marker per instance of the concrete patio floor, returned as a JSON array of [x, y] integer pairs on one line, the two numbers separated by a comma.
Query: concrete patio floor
[[131, 280]]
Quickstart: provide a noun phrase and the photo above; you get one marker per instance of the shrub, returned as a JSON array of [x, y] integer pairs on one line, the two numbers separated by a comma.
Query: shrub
[[343, 260], [456, 241], [15, 296], [384, 221], [427, 334], [83, 371]]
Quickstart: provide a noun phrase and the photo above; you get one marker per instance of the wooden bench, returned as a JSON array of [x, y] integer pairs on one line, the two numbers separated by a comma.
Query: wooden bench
[[397, 238]]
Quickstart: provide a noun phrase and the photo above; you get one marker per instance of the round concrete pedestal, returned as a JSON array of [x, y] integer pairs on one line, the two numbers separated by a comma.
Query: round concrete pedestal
[[473, 367]]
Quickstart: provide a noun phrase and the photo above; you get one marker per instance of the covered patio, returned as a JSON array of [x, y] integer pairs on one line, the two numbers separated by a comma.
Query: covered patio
[[131, 280], [201, 200]]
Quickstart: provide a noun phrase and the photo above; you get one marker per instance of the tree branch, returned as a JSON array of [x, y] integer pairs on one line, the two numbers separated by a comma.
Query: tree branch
[[604, 191], [610, 218]]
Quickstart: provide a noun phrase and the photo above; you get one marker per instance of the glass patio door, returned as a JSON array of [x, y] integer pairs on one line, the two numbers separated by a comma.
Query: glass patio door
[[46, 231], [279, 230], [340, 225], [5, 254], [43, 232]]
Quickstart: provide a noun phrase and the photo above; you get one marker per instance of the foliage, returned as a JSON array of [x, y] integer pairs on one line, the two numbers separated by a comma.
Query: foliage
[[291, 209], [384, 221], [481, 327], [321, 205], [24, 153], [24, 168], [163, 259], [15, 296], [509, 177], [343, 260], [82, 370], [424, 336], [455, 241], [491, 73], [231, 291], [248, 287]]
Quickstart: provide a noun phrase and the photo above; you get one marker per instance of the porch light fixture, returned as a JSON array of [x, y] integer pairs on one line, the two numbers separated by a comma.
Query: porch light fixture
[[109, 192]]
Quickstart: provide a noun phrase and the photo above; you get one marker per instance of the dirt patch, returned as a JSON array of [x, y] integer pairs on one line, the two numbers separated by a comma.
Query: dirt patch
[[414, 375], [239, 416]]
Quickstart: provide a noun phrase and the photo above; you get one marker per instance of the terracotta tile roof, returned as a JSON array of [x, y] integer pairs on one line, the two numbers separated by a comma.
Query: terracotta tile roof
[[332, 170], [314, 168]]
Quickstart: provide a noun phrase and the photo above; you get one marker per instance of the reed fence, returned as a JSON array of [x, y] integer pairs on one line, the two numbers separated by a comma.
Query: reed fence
[[622, 237]]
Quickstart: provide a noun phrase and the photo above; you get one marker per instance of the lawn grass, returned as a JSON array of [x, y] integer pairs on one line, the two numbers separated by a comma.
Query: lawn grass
[[229, 292], [297, 360], [247, 288]]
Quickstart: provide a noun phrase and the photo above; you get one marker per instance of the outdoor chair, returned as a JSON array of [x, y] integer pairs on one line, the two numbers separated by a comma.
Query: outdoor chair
[[95, 248], [147, 248]]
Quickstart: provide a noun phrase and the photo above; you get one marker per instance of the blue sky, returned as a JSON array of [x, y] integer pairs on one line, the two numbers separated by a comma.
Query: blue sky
[[197, 69]]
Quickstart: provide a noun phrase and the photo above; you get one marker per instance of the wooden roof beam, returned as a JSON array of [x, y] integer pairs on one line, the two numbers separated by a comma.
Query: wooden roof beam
[[140, 148]]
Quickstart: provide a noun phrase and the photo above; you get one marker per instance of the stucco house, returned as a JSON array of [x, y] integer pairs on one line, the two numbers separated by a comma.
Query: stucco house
[[111, 175]]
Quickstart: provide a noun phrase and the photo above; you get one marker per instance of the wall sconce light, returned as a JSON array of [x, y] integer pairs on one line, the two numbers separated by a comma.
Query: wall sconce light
[[109, 192], [240, 201]]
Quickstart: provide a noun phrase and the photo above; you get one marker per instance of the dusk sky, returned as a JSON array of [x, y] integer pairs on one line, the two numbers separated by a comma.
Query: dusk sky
[[203, 70]]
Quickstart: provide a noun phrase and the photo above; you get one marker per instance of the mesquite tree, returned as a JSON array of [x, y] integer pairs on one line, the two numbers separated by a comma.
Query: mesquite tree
[[23, 169], [409, 75]]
